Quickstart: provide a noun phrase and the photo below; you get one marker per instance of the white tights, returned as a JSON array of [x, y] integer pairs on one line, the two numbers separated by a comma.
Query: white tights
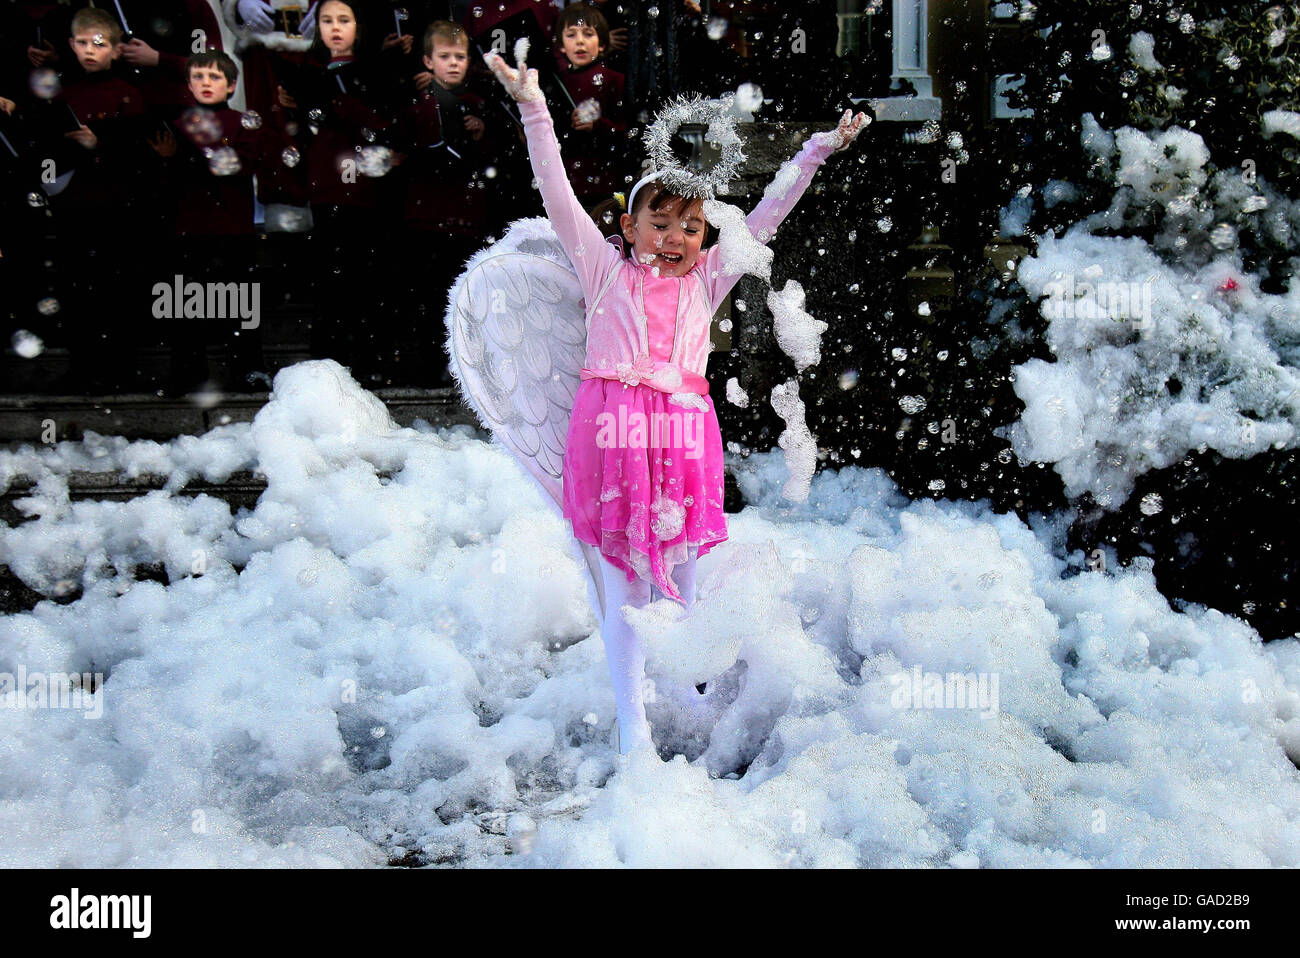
[[624, 651]]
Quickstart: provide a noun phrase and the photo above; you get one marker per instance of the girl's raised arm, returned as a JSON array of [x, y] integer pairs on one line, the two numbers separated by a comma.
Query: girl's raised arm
[[582, 240], [785, 190]]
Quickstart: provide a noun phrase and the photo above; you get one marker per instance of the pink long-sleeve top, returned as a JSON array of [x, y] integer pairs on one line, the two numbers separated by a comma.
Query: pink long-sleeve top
[[641, 327]]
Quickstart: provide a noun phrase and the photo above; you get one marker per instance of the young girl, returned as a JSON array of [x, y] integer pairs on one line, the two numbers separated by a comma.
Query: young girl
[[342, 99], [649, 499]]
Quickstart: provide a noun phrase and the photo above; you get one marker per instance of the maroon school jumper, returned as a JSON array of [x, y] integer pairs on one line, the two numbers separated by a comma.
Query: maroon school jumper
[[211, 204], [594, 159], [112, 108], [445, 192], [353, 99], [483, 16]]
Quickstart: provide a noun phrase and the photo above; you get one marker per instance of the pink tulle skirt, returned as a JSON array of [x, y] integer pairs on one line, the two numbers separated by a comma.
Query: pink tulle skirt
[[643, 478]]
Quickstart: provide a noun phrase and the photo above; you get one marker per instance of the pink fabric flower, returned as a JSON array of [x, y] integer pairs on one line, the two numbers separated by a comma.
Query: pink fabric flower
[[632, 373]]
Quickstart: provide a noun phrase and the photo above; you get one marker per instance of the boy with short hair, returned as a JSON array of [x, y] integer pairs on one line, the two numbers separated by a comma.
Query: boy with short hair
[[593, 136], [108, 109], [94, 134], [448, 149], [213, 194], [209, 174], [445, 137], [163, 34]]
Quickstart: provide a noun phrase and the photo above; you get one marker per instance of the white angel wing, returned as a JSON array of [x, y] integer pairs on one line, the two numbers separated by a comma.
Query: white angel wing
[[516, 340]]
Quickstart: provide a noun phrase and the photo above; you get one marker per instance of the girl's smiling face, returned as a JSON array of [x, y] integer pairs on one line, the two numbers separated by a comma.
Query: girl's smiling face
[[668, 238], [337, 27]]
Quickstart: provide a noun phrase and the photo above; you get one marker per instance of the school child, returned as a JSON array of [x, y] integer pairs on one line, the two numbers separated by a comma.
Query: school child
[[593, 132], [344, 102], [448, 150], [208, 175]]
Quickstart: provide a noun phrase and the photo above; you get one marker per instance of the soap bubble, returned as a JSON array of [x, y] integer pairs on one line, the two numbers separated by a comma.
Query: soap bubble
[[45, 84], [224, 161], [26, 344], [1223, 236], [200, 125], [374, 160], [290, 156], [250, 120], [588, 111]]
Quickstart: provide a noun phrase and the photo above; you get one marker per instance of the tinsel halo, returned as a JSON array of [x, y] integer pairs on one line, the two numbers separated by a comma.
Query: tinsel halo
[[720, 122]]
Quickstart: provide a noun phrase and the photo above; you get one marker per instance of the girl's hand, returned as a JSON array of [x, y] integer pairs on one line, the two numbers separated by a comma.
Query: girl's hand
[[84, 136], [139, 54], [163, 143], [393, 40], [8, 106], [618, 39], [40, 56], [520, 83], [843, 135], [578, 124], [286, 101], [475, 127], [423, 79]]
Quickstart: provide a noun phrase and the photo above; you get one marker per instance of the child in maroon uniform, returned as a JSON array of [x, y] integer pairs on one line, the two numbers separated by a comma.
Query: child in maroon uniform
[[209, 173], [94, 183], [109, 110], [343, 101], [593, 137], [163, 34], [447, 147]]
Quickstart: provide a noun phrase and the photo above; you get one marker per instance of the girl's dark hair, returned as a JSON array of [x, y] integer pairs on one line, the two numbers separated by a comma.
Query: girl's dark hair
[[657, 197], [582, 13], [369, 38]]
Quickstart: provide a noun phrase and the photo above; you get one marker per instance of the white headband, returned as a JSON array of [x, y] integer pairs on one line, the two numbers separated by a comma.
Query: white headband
[[631, 197]]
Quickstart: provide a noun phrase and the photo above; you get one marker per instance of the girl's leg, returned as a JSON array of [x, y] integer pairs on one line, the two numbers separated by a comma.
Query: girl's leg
[[684, 576], [626, 656], [684, 579]]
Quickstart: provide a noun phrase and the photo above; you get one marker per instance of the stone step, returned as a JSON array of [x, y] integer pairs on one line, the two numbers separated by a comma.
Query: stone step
[[31, 418]]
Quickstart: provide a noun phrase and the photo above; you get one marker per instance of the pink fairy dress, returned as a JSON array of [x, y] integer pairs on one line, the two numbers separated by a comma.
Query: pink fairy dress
[[643, 465]]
